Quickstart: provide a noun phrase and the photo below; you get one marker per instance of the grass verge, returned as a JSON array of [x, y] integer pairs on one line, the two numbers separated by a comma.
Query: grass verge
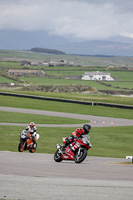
[[11, 117], [18, 102], [92, 97]]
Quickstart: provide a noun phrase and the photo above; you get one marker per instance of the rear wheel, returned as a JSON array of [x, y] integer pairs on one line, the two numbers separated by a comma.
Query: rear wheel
[[21, 146], [57, 156], [79, 157]]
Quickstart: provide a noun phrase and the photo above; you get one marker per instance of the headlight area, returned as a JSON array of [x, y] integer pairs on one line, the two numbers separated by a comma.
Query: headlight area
[[85, 141]]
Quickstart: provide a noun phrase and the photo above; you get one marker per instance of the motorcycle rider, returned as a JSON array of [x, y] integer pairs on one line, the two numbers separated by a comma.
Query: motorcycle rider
[[32, 129], [77, 133]]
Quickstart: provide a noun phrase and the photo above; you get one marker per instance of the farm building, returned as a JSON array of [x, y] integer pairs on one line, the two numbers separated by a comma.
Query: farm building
[[21, 72], [25, 63], [46, 63], [60, 63], [100, 76]]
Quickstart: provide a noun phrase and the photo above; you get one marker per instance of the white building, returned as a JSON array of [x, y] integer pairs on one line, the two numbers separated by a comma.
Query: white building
[[100, 76]]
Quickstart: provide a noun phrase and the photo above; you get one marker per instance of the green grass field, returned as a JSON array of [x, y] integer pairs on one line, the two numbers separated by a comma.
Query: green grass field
[[106, 142], [124, 85], [125, 79], [5, 80], [76, 96], [10, 59], [13, 117], [53, 81], [65, 107], [115, 86]]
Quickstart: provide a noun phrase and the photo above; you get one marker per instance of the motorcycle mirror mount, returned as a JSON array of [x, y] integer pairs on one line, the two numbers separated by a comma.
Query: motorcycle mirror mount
[[58, 146]]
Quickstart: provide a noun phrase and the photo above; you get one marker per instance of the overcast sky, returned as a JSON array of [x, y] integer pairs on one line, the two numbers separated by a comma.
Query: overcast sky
[[79, 19]]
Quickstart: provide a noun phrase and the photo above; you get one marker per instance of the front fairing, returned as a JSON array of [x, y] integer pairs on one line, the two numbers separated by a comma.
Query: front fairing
[[26, 137], [84, 141], [69, 155]]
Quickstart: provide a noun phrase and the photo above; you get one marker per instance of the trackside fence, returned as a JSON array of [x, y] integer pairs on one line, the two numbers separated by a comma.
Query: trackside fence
[[67, 100]]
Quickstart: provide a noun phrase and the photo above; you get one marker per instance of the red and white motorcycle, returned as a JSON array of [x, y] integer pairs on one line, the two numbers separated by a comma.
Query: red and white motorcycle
[[76, 151]]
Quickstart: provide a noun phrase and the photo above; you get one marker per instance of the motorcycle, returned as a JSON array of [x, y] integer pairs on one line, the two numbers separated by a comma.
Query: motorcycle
[[76, 151], [26, 142]]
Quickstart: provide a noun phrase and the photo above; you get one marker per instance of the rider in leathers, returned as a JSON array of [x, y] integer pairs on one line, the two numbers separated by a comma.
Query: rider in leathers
[[78, 133], [32, 129]]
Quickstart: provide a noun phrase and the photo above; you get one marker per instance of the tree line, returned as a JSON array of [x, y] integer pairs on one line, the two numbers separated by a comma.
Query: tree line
[[50, 51]]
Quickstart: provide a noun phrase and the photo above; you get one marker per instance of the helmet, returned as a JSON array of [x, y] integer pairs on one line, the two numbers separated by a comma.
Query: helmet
[[87, 128], [32, 124]]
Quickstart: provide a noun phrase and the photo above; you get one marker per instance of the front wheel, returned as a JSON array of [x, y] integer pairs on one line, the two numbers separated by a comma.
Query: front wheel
[[34, 149], [21, 146], [57, 156], [80, 156]]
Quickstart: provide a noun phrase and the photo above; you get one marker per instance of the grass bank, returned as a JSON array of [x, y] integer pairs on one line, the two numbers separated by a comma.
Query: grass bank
[[75, 96], [18, 102]]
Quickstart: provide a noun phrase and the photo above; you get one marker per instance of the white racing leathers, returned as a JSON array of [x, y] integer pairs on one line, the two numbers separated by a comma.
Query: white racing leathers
[[32, 131]]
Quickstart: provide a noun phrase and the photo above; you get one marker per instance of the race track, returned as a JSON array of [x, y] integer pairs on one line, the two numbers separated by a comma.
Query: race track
[[25, 176], [97, 119], [37, 176]]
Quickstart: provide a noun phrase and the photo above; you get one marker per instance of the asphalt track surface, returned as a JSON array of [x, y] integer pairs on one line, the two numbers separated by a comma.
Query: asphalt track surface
[[25, 176], [37, 177], [96, 121]]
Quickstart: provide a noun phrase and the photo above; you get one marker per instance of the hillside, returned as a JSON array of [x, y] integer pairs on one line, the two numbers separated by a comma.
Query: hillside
[[100, 47], [21, 40]]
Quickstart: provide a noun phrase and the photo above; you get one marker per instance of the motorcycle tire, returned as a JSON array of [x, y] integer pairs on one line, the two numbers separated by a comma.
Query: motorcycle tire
[[80, 158], [57, 156], [33, 150], [20, 147]]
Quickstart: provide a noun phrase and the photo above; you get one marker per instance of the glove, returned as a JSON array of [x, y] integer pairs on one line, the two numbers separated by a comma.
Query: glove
[[75, 137]]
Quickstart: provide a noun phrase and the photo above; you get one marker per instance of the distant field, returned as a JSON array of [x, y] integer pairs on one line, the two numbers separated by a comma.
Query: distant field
[[53, 81], [126, 77], [120, 75], [5, 80], [123, 85], [8, 65], [123, 75], [10, 59], [93, 84], [11, 55]]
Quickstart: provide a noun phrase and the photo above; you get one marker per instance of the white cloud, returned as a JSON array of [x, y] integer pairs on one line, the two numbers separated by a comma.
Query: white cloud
[[83, 19], [130, 35]]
